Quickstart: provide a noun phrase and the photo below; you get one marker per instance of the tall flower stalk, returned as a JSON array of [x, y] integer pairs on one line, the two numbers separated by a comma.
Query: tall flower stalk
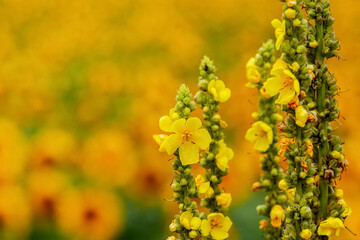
[[323, 46], [264, 133], [301, 83], [215, 161], [187, 138], [291, 78]]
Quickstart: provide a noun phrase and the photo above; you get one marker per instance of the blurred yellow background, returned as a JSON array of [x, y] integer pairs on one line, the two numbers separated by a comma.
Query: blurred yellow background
[[83, 84]]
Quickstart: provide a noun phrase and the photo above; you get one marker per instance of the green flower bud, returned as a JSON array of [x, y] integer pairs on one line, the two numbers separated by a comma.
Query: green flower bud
[[203, 84], [305, 212], [176, 186], [183, 182]]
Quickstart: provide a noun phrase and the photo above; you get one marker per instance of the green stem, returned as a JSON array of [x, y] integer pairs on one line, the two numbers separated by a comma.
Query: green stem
[[323, 147]]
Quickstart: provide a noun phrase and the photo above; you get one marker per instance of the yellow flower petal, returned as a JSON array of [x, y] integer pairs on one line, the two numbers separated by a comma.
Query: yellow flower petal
[[201, 138], [251, 134], [219, 234], [189, 153], [222, 162], [192, 124], [286, 95], [165, 123], [178, 126], [280, 64], [195, 223], [279, 41], [276, 23], [224, 95], [161, 140], [218, 90], [205, 227], [250, 85], [273, 85], [173, 142], [290, 74], [262, 144], [301, 116], [227, 223], [185, 218], [296, 87]]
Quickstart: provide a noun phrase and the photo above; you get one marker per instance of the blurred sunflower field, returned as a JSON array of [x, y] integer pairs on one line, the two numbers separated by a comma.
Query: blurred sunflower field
[[82, 86]]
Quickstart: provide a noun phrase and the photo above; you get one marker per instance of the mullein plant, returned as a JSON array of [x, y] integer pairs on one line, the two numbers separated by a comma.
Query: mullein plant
[[329, 156], [300, 82], [215, 223], [187, 141], [264, 133]]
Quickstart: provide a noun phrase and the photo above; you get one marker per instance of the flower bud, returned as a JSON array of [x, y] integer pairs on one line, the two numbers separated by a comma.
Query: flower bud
[[305, 212]]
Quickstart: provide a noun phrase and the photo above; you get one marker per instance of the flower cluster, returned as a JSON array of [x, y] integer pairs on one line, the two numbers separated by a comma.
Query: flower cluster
[[184, 142], [300, 82], [264, 134], [212, 92], [187, 140]]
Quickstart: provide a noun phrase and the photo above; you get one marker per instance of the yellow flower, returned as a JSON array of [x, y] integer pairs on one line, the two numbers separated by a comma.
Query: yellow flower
[[171, 238], [188, 220], [224, 199], [219, 91], [262, 134], [283, 82], [46, 187], [290, 13], [205, 190], [277, 215], [295, 66], [314, 44], [301, 116], [306, 234], [279, 32], [216, 225], [296, 22], [290, 193], [166, 121], [339, 193], [347, 209], [200, 179], [161, 140], [225, 154], [188, 138], [283, 185], [91, 214], [331, 227], [252, 73]]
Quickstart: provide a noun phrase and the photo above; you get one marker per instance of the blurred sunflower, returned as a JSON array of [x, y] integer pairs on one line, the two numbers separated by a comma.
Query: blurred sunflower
[[91, 214], [46, 188]]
